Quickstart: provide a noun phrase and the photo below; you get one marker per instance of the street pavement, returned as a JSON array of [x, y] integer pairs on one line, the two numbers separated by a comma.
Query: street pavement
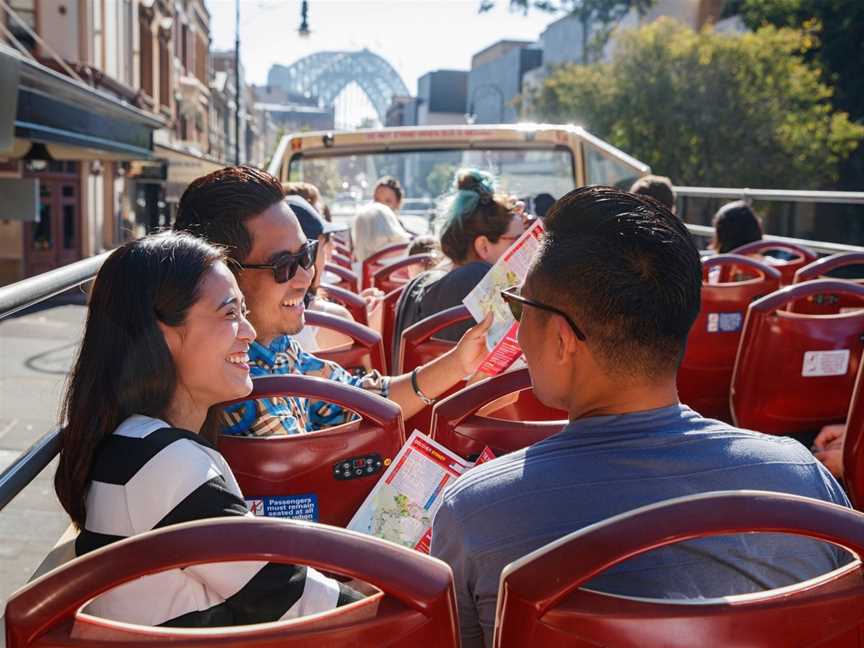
[[36, 352]]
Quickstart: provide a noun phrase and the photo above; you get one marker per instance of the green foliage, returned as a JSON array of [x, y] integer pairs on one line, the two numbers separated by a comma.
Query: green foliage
[[707, 108]]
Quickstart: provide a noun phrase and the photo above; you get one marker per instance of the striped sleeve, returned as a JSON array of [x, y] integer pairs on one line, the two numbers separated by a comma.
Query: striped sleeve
[[168, 477]]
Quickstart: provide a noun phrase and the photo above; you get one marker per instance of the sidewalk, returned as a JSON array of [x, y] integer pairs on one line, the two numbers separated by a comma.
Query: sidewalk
[[37, 349]]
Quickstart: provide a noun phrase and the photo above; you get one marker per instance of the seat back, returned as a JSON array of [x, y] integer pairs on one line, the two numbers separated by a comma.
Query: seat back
[[318, 469], [415, 604], [795, 372], [342, 248], [399, 273], [853, 444], [375, 262], [801, 256], [706, 370], [418, 344], [366, 342], [341, 260], [347, 279], [390, 305], [827, 304], [459, 424], [540, 603], [355, 304]]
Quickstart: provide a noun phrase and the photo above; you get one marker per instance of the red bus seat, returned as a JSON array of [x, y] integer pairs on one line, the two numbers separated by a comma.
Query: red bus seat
[[801, 256], [794, 373], [418, 346], [390, 304], [415, 604], [399, 273], [375, 262], [366, 342], [827, 304], [540, 602], [347, 279], [463, 424], [706, 371], [853, 444], [343, 249], [316, 463], [341, 260], [355, 304]]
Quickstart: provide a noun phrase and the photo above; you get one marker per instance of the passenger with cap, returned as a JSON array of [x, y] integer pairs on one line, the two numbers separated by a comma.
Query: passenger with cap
[[243, 210]]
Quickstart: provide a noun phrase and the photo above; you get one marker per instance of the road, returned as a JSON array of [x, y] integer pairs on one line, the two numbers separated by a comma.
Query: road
[[37, 349]]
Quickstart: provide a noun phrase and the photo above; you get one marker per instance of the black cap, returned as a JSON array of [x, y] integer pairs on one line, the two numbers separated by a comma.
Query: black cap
[[311, 221]]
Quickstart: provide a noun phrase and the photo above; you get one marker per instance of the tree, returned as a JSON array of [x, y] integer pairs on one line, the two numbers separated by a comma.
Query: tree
[[839, 25], [596, 16], [709, 109]]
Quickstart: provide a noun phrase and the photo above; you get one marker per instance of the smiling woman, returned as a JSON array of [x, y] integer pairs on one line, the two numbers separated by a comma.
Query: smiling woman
[[166, 339]]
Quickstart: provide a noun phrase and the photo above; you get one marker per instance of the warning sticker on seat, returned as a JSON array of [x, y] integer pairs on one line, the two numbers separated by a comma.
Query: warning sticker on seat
[[825, 363], [293, 507], [725, 322]]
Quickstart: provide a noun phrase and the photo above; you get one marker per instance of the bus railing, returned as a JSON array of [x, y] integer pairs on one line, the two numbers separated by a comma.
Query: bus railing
[[14, 298], [783, 195], [820, 247]]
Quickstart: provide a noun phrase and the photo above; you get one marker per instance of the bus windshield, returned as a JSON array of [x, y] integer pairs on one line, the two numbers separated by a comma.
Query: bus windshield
[[347, 181]]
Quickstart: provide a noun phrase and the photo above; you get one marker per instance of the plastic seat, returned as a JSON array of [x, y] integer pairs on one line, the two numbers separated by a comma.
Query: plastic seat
[[463, 424], [347, 279], [314, 464], [540, 603], [706, 371], [366, 342], [375, 262], [418, 346], [794, 373], [390, 305], [341, 260], [355, 304], [801, 256], [827, 304], [396, 274], [342, 249], [853, 444], [415, 604]]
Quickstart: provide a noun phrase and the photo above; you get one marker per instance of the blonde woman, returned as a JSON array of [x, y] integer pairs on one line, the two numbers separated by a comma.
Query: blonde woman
[[375, 227]]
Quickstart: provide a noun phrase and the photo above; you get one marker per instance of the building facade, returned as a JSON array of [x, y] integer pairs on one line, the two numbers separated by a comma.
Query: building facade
[[496, 79]]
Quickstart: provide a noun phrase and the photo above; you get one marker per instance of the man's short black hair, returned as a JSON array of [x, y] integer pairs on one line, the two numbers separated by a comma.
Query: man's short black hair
[[216, 207], [625, 268]]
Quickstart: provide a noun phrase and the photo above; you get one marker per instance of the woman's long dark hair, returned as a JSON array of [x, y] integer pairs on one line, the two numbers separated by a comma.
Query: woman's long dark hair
[[124, 366]]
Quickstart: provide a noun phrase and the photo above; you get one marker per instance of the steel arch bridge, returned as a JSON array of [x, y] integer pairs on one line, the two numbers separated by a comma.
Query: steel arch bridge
[[326, 74]]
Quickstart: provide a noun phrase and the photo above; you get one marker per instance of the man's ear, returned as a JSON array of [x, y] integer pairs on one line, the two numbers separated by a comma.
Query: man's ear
[[567, 344]]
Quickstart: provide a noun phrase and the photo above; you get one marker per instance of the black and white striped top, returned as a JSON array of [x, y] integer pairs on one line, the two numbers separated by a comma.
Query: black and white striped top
[[148, 475]]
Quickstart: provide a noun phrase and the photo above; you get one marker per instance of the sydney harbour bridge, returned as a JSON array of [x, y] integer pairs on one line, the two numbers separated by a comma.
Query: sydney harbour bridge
[[325, 75]]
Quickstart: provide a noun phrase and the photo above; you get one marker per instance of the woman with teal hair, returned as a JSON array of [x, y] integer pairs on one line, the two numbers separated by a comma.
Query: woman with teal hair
[[478, 224]]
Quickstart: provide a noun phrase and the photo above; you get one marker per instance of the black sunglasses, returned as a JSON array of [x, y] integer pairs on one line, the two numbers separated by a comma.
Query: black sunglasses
[[286, 265], [515, 301]]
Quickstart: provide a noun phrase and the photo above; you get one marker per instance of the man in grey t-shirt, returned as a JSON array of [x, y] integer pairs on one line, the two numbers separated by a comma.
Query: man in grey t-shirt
[[605, 312]]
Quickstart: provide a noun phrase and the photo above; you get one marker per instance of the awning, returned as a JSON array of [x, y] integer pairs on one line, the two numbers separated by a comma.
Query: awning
[[183, 168], [57, 110]]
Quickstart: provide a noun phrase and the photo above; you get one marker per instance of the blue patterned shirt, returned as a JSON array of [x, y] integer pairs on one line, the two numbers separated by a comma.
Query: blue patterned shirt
[[292, 414]]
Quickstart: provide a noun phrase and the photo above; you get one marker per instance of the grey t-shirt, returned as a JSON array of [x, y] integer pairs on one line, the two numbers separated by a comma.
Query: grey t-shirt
[[599, 467]]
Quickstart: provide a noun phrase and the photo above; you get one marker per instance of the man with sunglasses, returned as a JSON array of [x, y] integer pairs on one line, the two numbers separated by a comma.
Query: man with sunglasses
[[244, 210], [604, 315]]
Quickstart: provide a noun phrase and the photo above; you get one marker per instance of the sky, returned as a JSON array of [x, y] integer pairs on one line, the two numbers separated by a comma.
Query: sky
[[415, 36]]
